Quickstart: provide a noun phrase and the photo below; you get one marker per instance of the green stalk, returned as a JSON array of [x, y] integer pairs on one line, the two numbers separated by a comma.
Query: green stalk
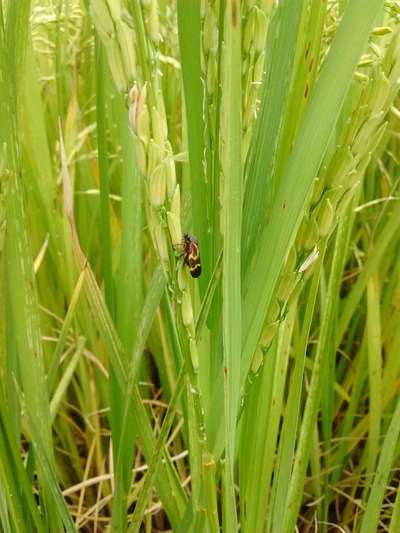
[[129, 277], [313, 398], [105, 230], [232, 220], [155, 461], [126, 438], [374, 343], [370, 518], [289, 433], [386, 235], [15, 481]]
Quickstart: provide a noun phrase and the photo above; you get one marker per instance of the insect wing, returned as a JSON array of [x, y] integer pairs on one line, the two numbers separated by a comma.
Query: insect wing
[[192, 256]]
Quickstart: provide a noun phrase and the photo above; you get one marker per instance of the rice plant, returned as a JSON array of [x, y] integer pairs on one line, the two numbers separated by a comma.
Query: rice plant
[[200, 237]]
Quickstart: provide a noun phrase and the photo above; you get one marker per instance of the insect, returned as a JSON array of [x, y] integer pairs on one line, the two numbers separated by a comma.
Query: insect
[[191, 255]]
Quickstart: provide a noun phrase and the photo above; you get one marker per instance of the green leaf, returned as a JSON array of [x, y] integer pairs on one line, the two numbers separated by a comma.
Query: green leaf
[[189, 32], [311, 143]]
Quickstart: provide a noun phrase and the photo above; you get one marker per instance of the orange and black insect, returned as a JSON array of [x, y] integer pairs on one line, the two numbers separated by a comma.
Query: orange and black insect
[[191, 255]]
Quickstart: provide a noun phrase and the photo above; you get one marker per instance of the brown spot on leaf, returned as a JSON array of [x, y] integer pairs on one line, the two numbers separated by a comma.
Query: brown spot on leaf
[[307, 50], [306, 91], [234, 13], [284, 205], [310, 66]]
